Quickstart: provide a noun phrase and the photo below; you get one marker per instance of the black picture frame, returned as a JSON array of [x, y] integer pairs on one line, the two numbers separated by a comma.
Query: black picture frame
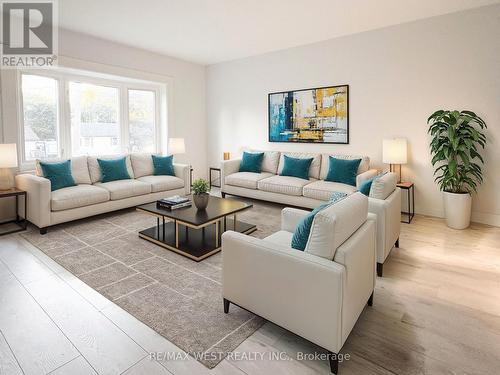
[[307, 141]]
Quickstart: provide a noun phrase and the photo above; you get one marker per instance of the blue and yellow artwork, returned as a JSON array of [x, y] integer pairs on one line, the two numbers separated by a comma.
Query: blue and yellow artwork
[[318, 115]]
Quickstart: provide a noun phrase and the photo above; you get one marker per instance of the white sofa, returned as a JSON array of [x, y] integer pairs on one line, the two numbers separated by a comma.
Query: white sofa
[[318, 293], [91, 196], [384, 197]]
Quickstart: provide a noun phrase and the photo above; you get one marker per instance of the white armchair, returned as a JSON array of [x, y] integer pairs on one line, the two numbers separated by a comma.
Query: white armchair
[[317, 298]]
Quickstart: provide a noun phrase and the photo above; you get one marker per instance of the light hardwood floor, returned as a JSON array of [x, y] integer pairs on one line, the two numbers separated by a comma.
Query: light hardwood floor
[[436, 311]]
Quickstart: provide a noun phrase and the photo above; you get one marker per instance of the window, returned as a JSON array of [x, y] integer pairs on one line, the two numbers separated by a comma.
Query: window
[[68, 115], [141, 117], [40, 115], [95, 126]]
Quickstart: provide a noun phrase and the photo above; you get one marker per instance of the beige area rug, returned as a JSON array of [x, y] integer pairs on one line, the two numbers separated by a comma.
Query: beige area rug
[[177, 297]]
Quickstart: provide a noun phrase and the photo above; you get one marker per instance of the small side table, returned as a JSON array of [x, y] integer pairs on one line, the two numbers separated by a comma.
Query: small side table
[[410, 197], [22, 224], [212, 169]]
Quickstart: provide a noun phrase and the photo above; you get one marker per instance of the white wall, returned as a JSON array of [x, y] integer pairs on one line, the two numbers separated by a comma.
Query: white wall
[[397, 76]]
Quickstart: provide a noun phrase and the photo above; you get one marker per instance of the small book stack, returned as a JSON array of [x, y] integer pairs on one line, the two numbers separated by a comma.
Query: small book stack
[[173, 203]]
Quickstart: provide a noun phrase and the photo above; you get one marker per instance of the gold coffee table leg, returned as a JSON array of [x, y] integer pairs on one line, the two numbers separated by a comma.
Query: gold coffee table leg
[[176, 234], [217, 233]]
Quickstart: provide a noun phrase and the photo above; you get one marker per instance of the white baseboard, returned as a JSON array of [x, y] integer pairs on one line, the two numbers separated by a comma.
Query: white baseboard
[[485, 218]]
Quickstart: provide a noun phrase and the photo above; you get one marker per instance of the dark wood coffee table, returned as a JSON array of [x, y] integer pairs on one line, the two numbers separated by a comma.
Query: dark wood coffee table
[[193, 233]]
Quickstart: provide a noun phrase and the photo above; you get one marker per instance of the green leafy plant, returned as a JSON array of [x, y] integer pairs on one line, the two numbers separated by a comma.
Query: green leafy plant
[[200, 186], [456, 137]]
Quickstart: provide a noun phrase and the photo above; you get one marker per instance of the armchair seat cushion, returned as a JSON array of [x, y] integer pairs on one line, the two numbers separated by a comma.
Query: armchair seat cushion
[[281, 237], [323, 190], [77, 196], [247, 180], [121, 189], [283, 184], [162, 183]]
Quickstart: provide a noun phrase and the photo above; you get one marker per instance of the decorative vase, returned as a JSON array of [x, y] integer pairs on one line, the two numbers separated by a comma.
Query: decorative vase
[[201, 200], [457, 209]]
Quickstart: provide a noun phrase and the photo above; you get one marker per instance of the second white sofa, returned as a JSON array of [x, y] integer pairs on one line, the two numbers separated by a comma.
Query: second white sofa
[[384, 196]]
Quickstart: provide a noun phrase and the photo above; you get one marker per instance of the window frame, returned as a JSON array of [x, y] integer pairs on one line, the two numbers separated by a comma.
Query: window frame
[[63, 79]]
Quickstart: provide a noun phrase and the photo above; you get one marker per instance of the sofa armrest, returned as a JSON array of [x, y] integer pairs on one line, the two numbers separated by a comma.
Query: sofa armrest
[[388, 213], [38, 198], [290, 218], [362, 177], [183, 171], [268, 279], [228, 167]]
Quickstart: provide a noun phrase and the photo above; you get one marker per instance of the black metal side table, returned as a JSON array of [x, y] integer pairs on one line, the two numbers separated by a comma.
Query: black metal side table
[[212, 169], [410, 197], [22, 224]]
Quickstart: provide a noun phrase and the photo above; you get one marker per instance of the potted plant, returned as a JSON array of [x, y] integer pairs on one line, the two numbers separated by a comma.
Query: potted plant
[[456, 137], [200, 193]]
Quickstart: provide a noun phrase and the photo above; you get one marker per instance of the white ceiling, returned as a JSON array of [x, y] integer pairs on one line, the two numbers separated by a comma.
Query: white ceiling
[[211, 31]]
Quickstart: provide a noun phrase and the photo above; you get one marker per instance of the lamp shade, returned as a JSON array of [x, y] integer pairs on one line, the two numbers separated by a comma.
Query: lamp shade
[[394, 151], [8, 155], [176, 146]]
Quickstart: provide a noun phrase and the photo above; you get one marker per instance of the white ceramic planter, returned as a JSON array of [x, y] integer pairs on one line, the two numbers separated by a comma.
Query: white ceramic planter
[[457, 209]]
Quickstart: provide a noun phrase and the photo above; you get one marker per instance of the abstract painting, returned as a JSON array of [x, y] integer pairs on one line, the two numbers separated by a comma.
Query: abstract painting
[[319, 115]]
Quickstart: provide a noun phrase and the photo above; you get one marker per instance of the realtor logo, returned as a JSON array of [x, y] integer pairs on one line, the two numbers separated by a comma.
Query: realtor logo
[[29, 33]]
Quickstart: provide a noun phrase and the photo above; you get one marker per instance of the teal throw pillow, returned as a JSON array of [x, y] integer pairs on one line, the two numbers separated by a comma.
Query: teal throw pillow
[[59, 174], [296, 167], [113, 169], [251, 162], [343, 170], [163, 165], [301, 234]]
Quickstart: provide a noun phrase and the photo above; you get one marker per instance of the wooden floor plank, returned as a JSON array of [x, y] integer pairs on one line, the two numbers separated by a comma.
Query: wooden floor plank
[[78, 366], [34, 339], [8, 363], [104, 346]]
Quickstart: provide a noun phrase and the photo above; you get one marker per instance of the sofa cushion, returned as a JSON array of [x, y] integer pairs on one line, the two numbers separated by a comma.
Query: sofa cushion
[[323, 190], [283, 185], [343, 170], [79, 168], [315, 165], [163, 183], [384, 186], [251, 162], [59, 174], [163, 165], [247, 180], [114, 169], [296, 167], [281, 237], [77, 196], [121, 189], [270, 161], [95, 170], [325, 163], [333, 225], [142, 164]]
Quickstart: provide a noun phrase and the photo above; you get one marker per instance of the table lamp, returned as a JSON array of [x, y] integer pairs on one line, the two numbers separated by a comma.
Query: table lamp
[[394, 152], [8, 159], [176, 146], [226, 155]]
